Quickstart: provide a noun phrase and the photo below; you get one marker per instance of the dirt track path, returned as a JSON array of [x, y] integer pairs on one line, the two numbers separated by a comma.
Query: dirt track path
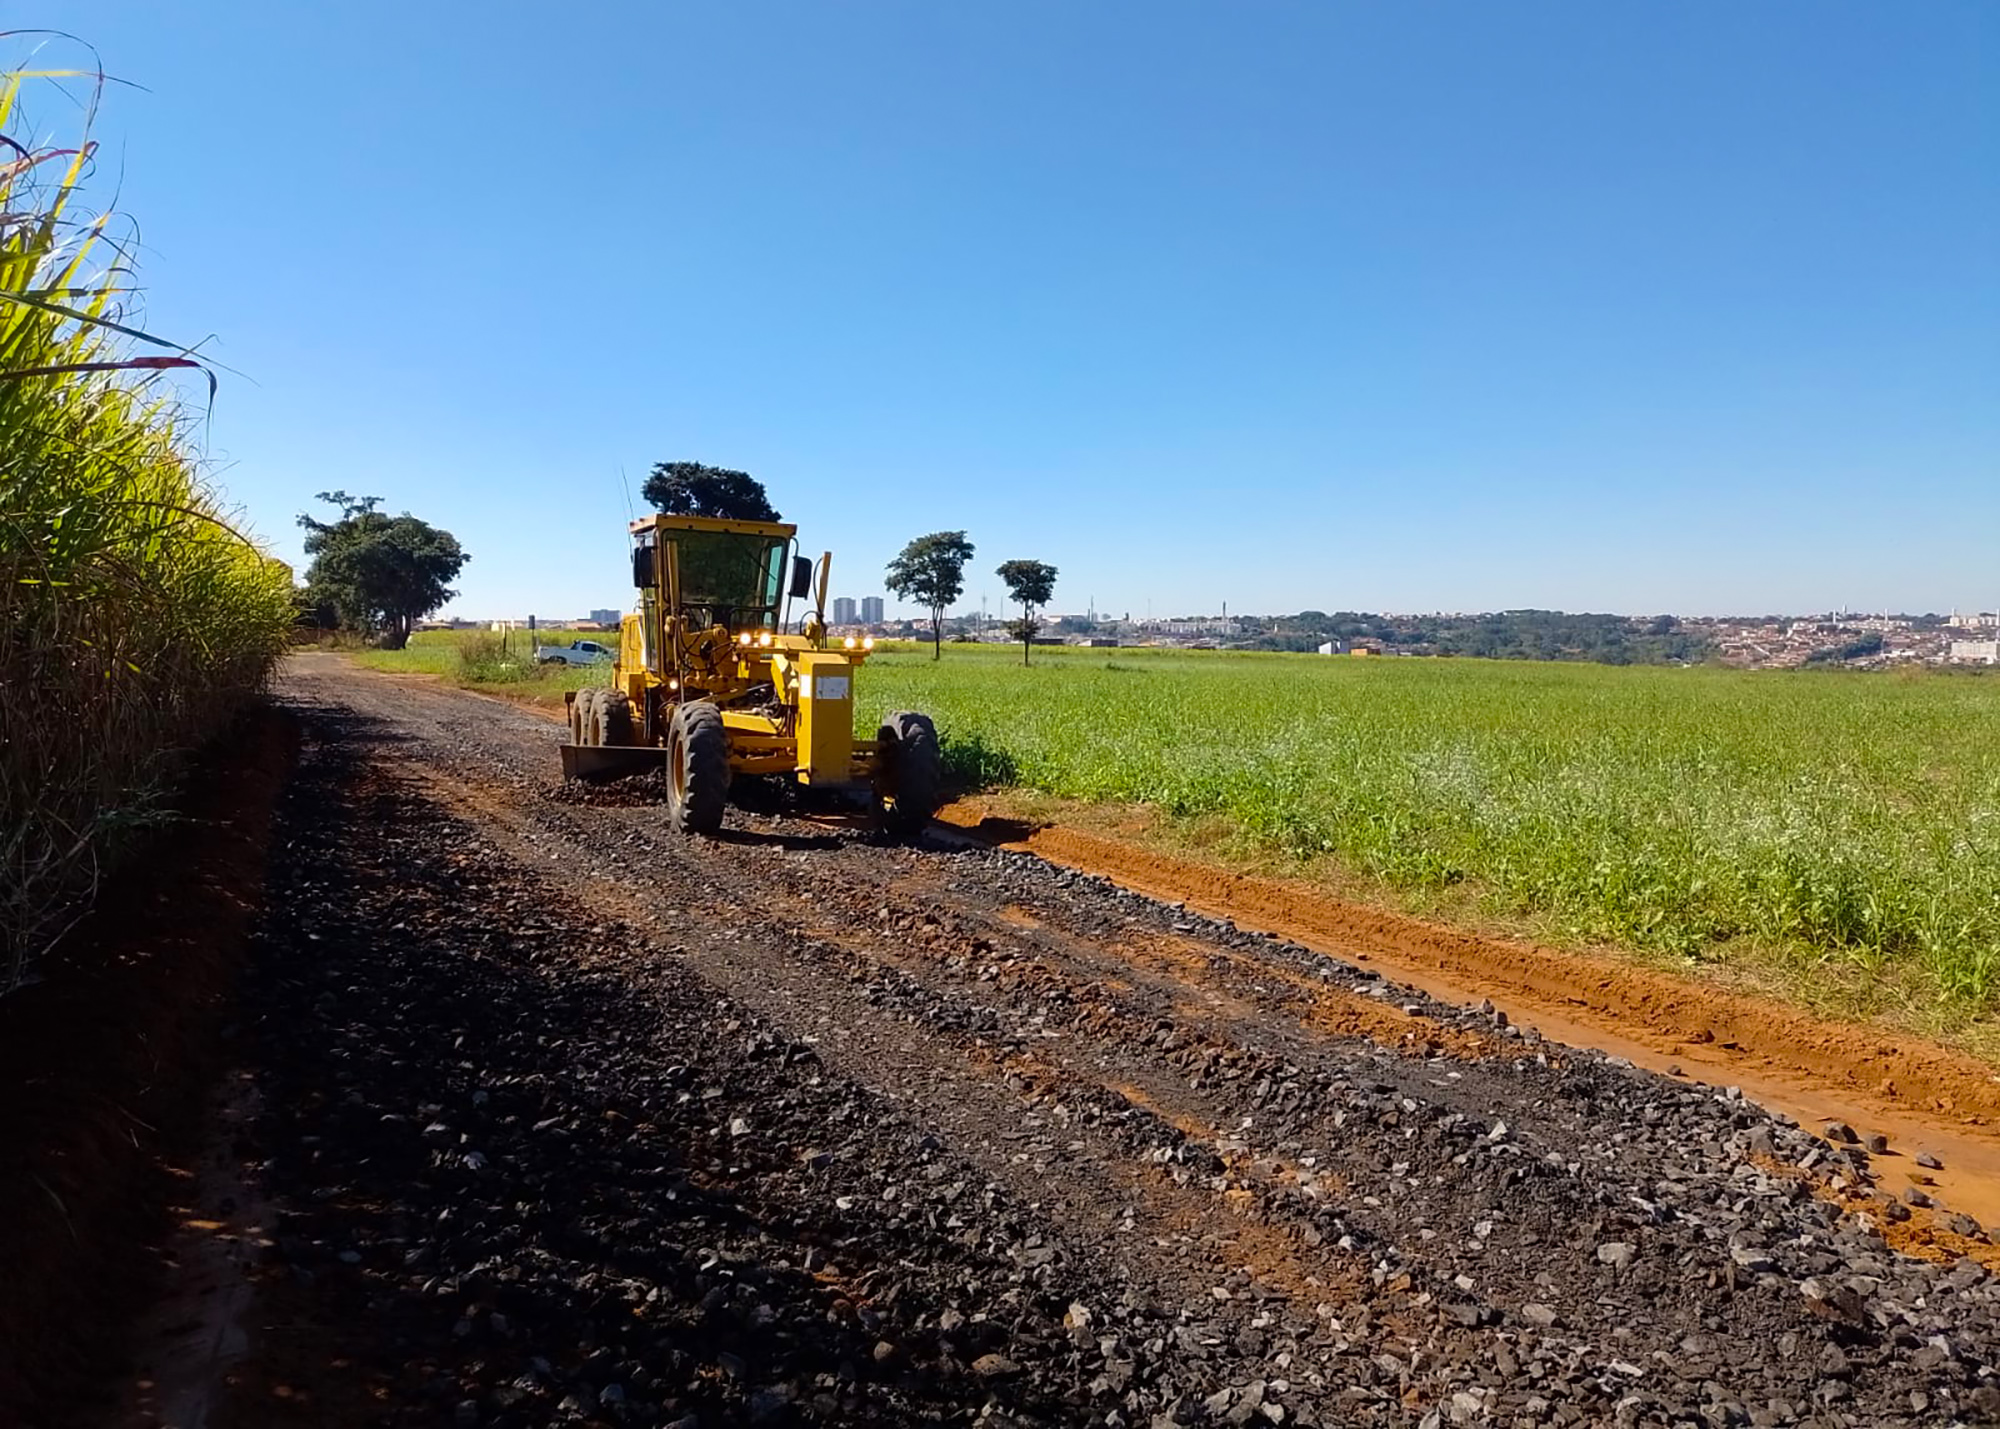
[[568, 1119]]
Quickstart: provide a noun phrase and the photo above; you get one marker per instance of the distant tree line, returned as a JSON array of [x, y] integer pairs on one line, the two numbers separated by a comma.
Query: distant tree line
[[1855, 649], [1500, 635]]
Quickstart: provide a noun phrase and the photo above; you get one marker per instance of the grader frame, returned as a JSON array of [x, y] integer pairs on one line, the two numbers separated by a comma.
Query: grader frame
[[710, 684]]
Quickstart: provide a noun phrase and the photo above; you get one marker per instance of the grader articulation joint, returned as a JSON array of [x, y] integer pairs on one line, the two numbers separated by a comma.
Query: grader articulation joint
[[709, 683]]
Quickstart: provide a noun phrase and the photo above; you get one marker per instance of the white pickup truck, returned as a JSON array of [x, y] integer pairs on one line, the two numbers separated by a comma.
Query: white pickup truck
[[577, 652]]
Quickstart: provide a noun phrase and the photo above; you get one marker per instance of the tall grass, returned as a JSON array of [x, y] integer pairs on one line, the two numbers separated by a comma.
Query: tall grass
[[1835, 817], [133, 619]]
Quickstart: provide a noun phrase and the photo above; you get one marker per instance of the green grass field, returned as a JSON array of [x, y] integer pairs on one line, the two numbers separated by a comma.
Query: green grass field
[[1830, 816], [1847, 823], [480, 658]]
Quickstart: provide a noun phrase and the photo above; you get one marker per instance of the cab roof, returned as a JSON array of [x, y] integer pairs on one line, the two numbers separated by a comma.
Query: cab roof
[[661, 521]]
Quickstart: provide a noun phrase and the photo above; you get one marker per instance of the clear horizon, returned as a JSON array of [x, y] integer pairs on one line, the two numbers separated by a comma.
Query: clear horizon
[[1594, 307]]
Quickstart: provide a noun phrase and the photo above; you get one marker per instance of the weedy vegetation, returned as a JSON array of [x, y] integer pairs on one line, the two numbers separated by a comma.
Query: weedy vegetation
[[133, 618]]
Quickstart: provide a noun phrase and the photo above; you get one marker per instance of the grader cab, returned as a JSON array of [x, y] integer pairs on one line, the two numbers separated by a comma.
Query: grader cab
[[710, 682]]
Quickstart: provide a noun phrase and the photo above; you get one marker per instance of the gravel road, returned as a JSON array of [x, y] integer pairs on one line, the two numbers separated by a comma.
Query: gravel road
[[569, 1120]]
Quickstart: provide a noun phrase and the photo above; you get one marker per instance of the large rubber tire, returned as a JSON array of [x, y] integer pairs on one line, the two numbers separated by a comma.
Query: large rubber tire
[[583, 715], [614, 711], [697, 768], [911, 783]]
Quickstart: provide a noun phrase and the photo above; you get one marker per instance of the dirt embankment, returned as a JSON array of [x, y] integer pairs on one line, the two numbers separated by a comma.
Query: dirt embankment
[[105, 1064]]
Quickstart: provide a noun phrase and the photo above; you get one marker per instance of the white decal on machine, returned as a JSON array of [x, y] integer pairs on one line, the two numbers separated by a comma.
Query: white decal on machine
[[830, 687]]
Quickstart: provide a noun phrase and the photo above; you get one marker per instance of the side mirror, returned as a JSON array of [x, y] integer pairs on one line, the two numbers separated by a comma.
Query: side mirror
[[802, 576], [642, 567]]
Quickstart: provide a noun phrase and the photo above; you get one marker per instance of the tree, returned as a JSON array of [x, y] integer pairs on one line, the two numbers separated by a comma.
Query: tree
[[380, 574], [689, 488], [1031, 583], [931, 572]]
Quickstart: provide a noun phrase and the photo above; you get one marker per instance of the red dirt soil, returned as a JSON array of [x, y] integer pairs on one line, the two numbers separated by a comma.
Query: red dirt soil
[[104, 1064], [1923, 1097]]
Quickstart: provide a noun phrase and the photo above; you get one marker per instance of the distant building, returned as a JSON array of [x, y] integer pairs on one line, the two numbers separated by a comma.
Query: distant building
[[605, 617], [1974, 652], [843, 610], [1333, 647], [1100, 642], [1201, 625], [871, 610]]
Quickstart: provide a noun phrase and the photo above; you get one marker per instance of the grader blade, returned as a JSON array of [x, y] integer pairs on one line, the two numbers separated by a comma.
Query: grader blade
[[609, 761]]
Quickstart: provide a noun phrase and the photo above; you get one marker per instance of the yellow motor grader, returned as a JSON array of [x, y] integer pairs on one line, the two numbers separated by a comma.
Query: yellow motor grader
[[709, 681]]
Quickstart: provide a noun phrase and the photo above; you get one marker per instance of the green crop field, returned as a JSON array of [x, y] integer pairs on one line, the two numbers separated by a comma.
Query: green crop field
[[1830, 816], [134, 617]]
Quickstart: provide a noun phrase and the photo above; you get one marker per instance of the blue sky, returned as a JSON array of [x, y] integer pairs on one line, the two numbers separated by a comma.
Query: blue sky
[[1598, 306]]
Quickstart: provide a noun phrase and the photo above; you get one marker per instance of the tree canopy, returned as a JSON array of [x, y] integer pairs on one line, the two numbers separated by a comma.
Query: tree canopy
[[1501, 635], [931, 571], [1032, 584], [691, 488], [379, 574]]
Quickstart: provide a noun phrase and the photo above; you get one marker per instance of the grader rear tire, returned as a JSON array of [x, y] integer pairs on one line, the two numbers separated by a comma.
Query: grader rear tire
[[911, 784], [697, 768], [583, 717]]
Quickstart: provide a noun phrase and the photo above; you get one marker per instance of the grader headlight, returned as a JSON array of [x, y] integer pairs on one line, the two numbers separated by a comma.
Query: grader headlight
[[765, 640], [867, 642], [848, 642], [744, 638]]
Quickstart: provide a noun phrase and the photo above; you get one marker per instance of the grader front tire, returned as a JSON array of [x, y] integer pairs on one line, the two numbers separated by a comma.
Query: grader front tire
[[614, 712], [911, 785], [583, 717], [698, 768]]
